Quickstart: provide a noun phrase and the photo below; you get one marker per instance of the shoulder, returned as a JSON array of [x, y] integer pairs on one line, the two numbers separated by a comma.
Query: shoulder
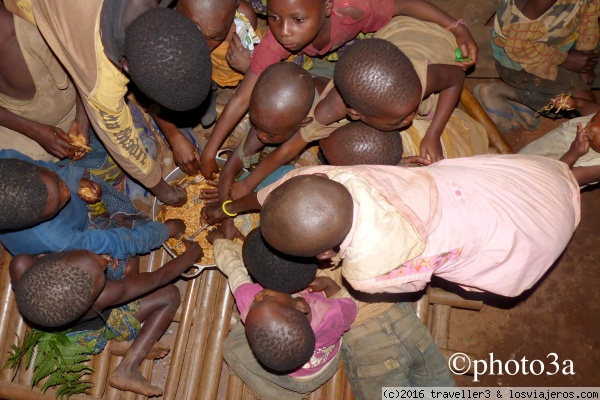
[[248, 12]]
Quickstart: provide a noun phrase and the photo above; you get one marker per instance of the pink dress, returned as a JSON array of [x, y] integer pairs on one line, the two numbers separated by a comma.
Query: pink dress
[[492, 222], [376, 14]]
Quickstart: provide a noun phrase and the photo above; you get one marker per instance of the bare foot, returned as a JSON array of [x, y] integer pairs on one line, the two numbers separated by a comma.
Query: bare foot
[[133, 381], [496, 107], [159, 350]]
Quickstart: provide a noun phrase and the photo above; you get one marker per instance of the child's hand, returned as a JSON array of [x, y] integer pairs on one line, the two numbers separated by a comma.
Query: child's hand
[[192, 248], [581, 61], [588, 77], [176, 228], [208, 166], [324, 284], [581, 144], [467, 46], [230, 230], [238, 57], [210, 195], [431, 147], [212, 214], [214, 234], [414, 161], [239, 189], [89, 191]]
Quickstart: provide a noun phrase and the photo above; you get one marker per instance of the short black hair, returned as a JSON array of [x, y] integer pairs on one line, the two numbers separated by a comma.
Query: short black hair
[[168, 59], [275, 270], [23, 194], [373, 73], [53, 293], [357, 143], [283, 345], [285, 88]]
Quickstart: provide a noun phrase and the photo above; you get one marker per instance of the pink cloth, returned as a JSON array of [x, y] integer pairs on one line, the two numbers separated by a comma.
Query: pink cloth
[[331, 317], [376, 14], [492, 222]]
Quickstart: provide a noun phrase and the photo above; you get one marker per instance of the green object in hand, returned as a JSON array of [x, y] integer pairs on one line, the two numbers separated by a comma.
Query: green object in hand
[[458, 56]]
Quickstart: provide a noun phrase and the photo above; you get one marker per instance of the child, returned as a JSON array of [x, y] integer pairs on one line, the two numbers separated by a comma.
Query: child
[[575, 142], [35, 191], [359, 144], [279, 107], [411, 84], [404, 347], [541, 49], [294, 335], [163, 53], [70, 288], [493, 223], [219, 21], [317, 27], [37, 113]]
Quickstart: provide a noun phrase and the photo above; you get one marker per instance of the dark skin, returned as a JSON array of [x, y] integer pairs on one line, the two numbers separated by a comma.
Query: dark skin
[[159, 305], [215, 20], [314, 23], [447, 80], [59, 195], [16, 81], [183, 150], [588, 137]]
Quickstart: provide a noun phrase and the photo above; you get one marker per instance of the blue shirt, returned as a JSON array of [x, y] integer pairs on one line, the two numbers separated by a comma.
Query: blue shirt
[[68, 229]]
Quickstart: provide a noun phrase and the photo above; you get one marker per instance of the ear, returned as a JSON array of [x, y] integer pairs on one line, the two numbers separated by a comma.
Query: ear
[[326, 255], [125, 65], [306, 121], [328, 7], [353, 114], [301, 305]]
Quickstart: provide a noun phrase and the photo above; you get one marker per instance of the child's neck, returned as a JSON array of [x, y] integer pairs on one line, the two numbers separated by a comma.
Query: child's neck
[[533, 9], [324, 36]]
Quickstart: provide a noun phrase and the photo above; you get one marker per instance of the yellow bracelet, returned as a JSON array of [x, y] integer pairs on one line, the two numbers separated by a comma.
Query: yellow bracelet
[[225, 210]]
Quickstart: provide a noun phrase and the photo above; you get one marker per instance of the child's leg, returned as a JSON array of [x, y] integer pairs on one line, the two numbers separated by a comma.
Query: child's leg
[[157, 311]]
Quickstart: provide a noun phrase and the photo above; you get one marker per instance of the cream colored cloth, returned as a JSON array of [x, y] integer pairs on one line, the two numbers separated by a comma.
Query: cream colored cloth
[[54, 100], [424, 43], [462, 135], [72, 29]]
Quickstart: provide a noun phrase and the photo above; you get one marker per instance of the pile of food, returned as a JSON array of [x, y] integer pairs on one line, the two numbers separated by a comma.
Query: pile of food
[[190, 214]]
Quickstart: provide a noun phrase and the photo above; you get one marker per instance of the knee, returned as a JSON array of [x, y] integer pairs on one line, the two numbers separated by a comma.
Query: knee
[[170, 296]]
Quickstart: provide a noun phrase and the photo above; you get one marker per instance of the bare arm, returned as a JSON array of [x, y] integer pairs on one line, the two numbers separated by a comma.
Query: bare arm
[[284, 153], [234, 165], [448, 81], [132, 287], [233, 112], [186, 155], [52, 139], [426, 11]]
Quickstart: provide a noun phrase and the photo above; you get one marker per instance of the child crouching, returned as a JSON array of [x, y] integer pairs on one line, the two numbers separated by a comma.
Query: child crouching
[[70, 290], [290, 341]]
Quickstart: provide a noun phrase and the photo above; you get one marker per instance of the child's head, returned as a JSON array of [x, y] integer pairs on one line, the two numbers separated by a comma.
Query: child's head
[[214, 18], [61, 287], [279, 331], [307, 216], [281, 101], [357, 143], [378, 84], [29, 194], [592, 132], [296, 23], [275, 270], [168, 59]]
